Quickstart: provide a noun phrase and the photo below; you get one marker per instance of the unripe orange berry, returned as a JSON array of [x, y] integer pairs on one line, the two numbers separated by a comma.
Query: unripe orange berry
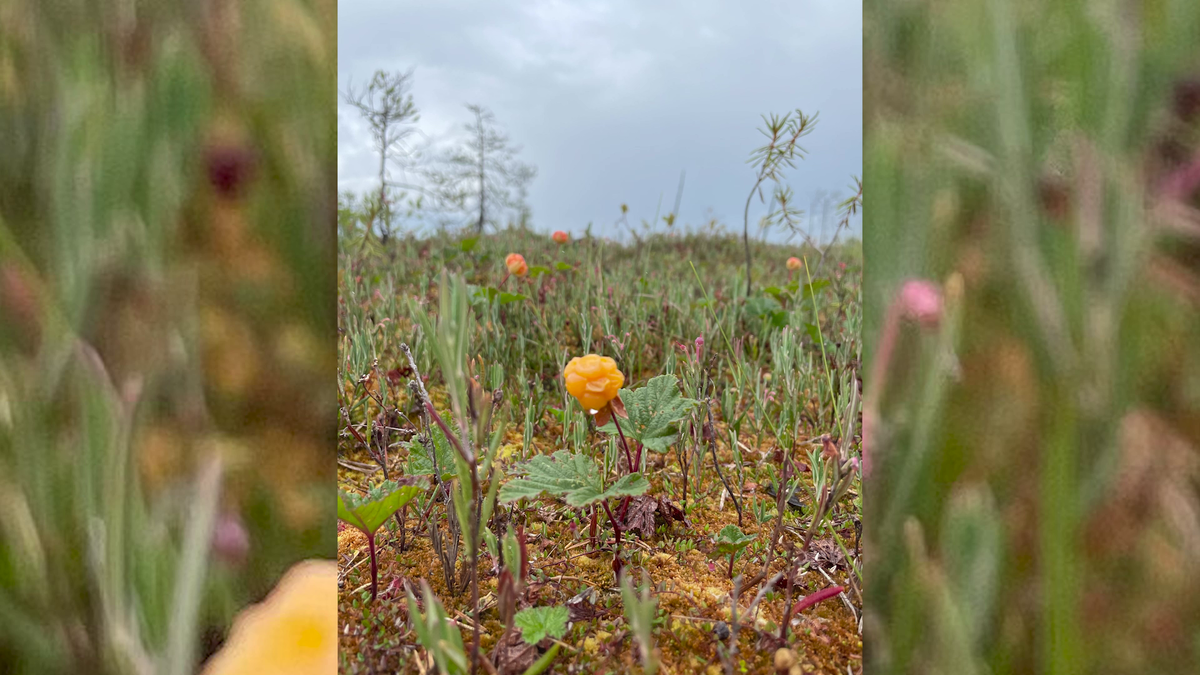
[[593, 380], [560, 236], [793, 263], [515, 262]]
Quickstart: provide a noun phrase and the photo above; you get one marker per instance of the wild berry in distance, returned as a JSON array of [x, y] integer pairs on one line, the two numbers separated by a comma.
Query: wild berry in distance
[[515, 262]]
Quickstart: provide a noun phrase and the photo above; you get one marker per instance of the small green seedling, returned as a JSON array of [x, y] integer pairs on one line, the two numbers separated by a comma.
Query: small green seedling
[[640, 609], [538, 623], [369, 513], [730, 541], [439, 635]]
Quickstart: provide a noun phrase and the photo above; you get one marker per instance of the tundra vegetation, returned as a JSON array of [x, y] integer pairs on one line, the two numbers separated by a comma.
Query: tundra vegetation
[[613, 458]]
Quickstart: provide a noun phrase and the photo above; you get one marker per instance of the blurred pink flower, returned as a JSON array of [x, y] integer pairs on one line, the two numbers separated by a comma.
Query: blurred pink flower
[[921, 301], [230, 542]]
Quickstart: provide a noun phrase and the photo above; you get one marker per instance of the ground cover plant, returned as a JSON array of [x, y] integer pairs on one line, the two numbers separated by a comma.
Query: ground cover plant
[[1033, 416], [588, 420]]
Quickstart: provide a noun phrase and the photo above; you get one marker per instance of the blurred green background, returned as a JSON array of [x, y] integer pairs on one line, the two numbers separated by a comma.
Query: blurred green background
[[1034, 501], [167, 297]]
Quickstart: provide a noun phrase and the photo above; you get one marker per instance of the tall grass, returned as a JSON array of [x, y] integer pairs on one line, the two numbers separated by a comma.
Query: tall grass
[[166, 286], [1035, 453]]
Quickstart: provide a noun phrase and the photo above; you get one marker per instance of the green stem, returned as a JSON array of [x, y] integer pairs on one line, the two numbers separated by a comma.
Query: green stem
[[543, 663], [1062, 641]]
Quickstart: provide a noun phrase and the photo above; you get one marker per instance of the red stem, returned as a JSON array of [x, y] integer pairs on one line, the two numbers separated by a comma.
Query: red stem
[[374, 567], [810, 600], [616, 528], [624, 444], [470, 457], [357, 435]]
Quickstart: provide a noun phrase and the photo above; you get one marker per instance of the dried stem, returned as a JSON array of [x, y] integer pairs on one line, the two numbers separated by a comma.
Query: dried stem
[[777, 531], [712, 446]]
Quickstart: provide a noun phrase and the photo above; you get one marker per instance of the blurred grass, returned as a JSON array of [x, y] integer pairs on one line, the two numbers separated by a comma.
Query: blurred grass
[[167, 281], [1051, 428]]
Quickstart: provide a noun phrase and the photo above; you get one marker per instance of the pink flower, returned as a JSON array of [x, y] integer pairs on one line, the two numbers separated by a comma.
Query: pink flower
[[230, 542], [921, 301]]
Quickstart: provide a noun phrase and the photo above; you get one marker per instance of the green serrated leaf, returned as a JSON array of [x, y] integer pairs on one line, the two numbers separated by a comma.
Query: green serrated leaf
[[421, 464], [654, 411], [562, 266], [538, 622], [731, 539], [536, 271], [575, 477], [367, 513], [506, 297], [467, 245]]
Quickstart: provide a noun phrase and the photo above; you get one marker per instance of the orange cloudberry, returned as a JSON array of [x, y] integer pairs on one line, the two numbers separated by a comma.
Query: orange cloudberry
[[593, 380]]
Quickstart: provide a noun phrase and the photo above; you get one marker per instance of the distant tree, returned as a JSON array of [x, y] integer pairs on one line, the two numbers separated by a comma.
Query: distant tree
[[387, 105], [481, 176], [782, 150], [822, 200]]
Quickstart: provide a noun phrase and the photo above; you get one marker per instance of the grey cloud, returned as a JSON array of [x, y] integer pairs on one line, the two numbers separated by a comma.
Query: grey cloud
[[612, 99]]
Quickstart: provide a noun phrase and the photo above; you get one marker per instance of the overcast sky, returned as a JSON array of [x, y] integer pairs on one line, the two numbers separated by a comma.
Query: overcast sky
[[612, 99]]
